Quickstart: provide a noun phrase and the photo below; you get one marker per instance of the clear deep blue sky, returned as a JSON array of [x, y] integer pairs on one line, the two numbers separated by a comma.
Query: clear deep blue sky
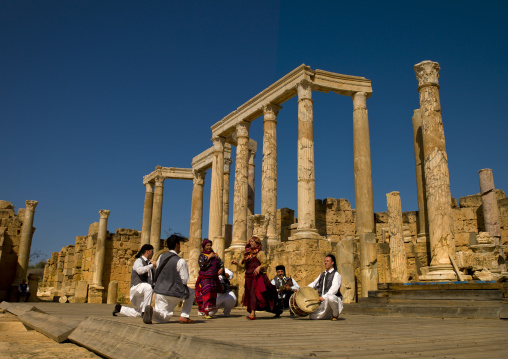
[[95, 94]]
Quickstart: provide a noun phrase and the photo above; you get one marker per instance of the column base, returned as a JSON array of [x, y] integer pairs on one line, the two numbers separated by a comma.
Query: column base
[[305, 233], [443, 273], [273, 241], [95, 294], [422, 238]]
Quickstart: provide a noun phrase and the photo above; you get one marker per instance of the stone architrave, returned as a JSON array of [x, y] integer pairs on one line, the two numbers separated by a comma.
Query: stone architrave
[[196, 225], [364, 198], [25, 241], [489, 204], [269, 171], [398, 260], [216, 190], [422, 224], [306, 172], [225, 195], [241, 187], [147, 214], [252, 190], [100, 249], [437, 181], [155, 230], [346, 268], [112, 292]]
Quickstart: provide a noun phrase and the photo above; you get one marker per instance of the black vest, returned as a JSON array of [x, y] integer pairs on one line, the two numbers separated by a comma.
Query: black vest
[[168, 280], [23, 287], [143, 278], [328, 284]]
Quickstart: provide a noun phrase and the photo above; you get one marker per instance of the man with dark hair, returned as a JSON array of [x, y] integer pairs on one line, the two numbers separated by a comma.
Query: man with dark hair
[[141, 283], [286, 286], [171, 288], [328, 287], [23, 289]]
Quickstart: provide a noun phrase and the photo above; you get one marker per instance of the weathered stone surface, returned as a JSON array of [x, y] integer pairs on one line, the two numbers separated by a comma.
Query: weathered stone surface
[[484, 275], [56, 328], [346, 267], [398, 260]]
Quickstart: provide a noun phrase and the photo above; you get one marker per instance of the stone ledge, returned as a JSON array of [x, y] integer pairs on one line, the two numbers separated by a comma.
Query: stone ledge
[[18, 308], [53, 327], [113, 339]]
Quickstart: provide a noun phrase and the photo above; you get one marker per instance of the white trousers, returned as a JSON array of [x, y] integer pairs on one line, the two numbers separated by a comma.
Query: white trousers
[[225, 300], [330, 307], [141, 296], [165, 305]]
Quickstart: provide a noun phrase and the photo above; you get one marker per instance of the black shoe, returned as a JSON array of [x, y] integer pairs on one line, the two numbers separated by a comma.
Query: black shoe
[[291, 314], [277, 315], [117, 309], [147, 315]]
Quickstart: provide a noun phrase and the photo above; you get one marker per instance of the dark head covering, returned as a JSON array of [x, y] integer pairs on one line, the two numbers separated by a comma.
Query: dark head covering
[[281, 267], [252, 252], [144, 248], [204, 244]]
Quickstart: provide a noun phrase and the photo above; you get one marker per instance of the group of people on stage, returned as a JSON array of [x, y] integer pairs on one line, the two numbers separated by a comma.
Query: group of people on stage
[[168, 279]]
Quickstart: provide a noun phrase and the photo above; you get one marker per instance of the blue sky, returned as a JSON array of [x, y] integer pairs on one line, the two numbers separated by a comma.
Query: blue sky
[[94, 95]]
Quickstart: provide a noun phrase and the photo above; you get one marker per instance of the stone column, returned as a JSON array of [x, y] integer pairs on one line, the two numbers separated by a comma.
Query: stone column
[[252, 190], [422, 224], [25, 241], [196, 224], [225, 194], [241, 187], [147, 214], [269, 172], [364, 199], [100, 249], [155, 230], [306, 176], [398, 260], [437, 181], [489, 204], [112, 292], [216, 190], [346, 267]]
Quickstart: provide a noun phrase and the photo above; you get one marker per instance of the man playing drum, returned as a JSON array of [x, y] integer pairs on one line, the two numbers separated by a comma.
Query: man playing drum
[[328, 287]]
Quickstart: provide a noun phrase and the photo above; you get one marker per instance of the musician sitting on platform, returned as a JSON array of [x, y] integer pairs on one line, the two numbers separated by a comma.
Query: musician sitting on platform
[[286, 286], [328, 286]]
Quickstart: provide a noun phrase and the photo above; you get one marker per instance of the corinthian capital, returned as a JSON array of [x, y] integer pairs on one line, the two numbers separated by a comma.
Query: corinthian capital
[[427, 73], [360, 101], [30, 205], [104, 213], [242, 129], [159, 180], [304, 89], [218, 143], [271, 111], [199, 177], [149, 186]]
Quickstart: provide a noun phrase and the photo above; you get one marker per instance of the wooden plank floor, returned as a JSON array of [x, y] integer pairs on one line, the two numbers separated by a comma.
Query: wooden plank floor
[[353, 336]]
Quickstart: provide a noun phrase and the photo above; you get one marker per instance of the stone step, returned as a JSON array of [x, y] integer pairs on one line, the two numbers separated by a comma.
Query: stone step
[[439, 294]]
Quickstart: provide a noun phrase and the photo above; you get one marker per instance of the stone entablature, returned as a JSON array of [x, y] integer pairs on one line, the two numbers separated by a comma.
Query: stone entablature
[[169, 172]]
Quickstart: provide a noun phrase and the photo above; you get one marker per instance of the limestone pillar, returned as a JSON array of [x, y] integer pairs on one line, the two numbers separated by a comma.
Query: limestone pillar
[[147, 214], [306, 174], [437, 181], [25, 241], [269, 172], [489, 204], [364, 199], [196, 224], [155, 230], [422, 223], [216, 190], [100, 249], [252, 190], [225, 194], [398, 260], [241, 187], [346, 267], [112, 292]]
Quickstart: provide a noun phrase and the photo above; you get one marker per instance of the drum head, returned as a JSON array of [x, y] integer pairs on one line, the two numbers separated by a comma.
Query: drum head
[[307, 299]]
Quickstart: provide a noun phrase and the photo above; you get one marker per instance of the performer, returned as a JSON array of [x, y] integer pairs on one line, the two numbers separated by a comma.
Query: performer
[[259, 294], [328, 287], [208, 283], [23, 289], [141, 283], [226, 299], [171, 278], [286, 286]]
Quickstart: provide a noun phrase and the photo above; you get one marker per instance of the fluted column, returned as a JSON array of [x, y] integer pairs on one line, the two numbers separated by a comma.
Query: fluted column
[[147, 214], [100, 249], [216, 189], [364, 199], [489, 204], [25, 242], [155, 230], [437, 181], [422, 223], [241, 187], [269, 171], [252, 190], [225, 194], [398, 260], [306, 174], [196, 224]]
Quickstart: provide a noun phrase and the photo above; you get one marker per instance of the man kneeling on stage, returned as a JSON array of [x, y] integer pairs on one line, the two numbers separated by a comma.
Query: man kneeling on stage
[[328, 287], [226, 299]]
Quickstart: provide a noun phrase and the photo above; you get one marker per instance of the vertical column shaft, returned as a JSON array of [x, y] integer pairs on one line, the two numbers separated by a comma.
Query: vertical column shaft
[[489, 204], [196, 224], [216, 188], [25, 241], [155, 231], [398, 260], [251, 180], [147, 214], [100, 249], [422, 223], [225, 194]]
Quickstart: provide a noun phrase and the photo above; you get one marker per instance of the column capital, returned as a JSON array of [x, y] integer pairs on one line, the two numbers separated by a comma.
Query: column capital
[[30, 205], [218, 143], [252, 156], [199, 178], [304, 89], [271, 111], [227, 165], [149, 186], [242, 129], [427, 74], [104, 213], [359, 101], [159, 180]]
